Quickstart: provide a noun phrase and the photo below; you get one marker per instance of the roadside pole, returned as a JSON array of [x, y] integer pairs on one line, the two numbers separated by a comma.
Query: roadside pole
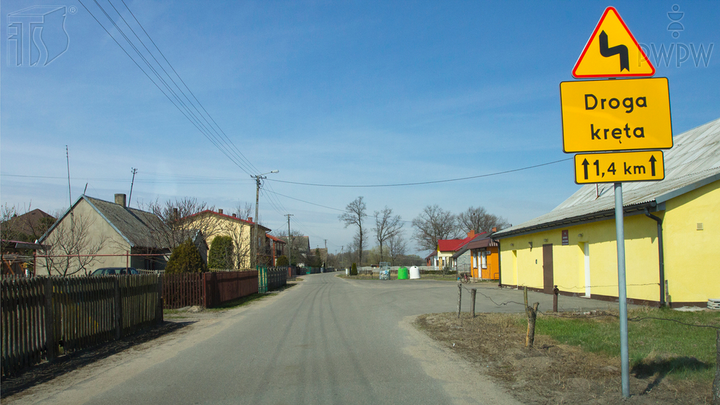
[[622, 289], [609, 152]]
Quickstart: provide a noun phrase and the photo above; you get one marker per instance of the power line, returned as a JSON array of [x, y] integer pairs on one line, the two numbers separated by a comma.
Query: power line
[[224, 144], [307, 202], [237, 151], [421, 182]]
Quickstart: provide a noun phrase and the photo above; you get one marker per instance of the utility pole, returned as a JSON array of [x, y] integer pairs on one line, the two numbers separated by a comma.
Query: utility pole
[[254, 242], [134, 171], [67, 157], [289, 241], [326, 254]]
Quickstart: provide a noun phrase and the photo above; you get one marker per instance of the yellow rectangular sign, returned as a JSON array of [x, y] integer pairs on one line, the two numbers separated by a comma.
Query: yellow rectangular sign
[[619, 167], [614, 115]]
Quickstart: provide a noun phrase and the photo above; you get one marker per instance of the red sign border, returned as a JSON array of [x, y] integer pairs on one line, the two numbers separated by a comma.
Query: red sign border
[[587, 46]]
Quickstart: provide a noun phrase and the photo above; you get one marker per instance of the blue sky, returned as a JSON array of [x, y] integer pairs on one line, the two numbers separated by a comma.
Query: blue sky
[[340, 93]]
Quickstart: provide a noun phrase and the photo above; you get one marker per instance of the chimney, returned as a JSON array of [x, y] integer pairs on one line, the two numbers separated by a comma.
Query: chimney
[[220, 211], [120, 199], [494, 229], [249, 219], [234, 215], [471, 234]]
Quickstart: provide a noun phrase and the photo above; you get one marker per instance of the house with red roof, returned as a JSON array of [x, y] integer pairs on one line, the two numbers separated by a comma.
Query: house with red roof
[[447, 248], [275, 246]]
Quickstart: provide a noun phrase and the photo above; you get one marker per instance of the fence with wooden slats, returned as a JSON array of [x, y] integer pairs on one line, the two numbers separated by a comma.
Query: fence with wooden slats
[[141, 302], [221, 287], [23, 318], [43, 317], [83, 311], [183, 290]]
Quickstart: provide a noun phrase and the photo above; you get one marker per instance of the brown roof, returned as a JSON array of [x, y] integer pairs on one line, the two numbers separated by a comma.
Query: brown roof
[[29, 223]]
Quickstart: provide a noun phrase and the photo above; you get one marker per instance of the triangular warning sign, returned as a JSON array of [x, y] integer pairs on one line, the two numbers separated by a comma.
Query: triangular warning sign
[[612, 51]]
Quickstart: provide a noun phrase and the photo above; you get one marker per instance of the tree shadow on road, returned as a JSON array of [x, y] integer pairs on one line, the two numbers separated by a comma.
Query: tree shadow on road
[[48, 371]]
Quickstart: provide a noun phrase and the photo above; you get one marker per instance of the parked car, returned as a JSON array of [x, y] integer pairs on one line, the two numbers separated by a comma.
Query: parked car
[[114, 271]]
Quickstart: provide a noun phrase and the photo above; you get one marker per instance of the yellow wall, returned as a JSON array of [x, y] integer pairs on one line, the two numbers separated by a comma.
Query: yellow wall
[[213, 225], [569, 261], [692, 257], [445, 259], [98, 231]]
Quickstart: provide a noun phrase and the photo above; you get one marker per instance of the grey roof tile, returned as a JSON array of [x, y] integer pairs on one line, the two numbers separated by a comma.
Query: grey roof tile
[[693, 161]]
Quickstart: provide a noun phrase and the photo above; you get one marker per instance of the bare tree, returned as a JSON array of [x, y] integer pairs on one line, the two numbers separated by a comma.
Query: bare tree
[[357, 245], [434, 224], [241, 246], [292, 247], [22, 227], [172, 230], [355, 215], [479, 220], [387, 226], [244, 211], [7, 231], [70, 248], [396, 247]]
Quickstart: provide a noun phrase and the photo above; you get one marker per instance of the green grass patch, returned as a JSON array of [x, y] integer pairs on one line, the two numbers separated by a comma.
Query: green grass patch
[[659, 341]]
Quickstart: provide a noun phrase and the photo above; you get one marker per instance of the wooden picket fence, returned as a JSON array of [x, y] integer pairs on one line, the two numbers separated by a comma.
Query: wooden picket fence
[[207, 289], [221, 287], [183, 290], [43, 317]]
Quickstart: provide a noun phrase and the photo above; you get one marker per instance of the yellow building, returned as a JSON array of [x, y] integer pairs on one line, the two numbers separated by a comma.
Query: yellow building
[[213, 224], [672, 228]]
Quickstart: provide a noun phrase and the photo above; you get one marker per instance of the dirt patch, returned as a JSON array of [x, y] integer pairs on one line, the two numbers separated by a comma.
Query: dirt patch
[[550, 373]]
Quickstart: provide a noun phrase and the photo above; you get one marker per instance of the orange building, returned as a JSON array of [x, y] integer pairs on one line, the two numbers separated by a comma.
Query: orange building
[[480, 257]]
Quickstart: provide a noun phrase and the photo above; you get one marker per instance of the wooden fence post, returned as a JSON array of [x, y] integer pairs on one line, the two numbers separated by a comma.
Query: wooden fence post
[[49, 321], [118, 309], [531, 313], [459, 298], [473, 292]]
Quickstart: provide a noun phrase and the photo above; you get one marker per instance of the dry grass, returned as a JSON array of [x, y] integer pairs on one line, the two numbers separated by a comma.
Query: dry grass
[[551, 373]]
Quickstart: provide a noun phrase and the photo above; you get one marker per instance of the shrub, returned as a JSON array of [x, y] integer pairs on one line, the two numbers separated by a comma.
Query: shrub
[[353, 270], [185, 258], [282, 261], [221, 253]]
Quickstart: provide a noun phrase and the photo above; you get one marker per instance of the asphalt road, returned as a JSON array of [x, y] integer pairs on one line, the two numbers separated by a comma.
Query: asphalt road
[[327, 340]]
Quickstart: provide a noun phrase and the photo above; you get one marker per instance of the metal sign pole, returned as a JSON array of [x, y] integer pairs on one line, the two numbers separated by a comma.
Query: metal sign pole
[[622, 293]]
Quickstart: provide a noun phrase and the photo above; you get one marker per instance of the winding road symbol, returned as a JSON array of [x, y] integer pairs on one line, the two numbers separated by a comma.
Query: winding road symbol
[[612, 42], [621, 50]]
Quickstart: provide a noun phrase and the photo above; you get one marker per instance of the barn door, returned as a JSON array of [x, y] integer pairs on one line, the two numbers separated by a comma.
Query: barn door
[[548, 269]]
